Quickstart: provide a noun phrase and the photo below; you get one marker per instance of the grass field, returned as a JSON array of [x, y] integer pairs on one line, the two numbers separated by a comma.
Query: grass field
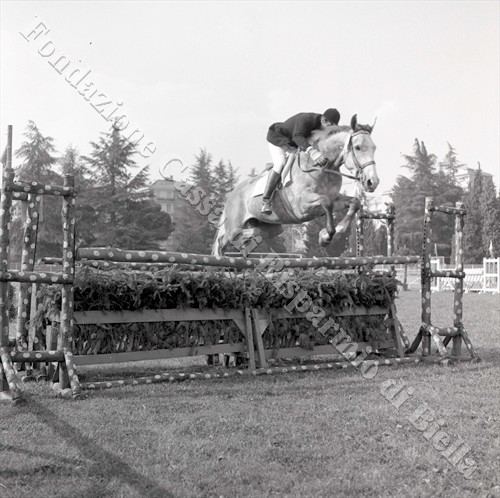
[[327, 433]]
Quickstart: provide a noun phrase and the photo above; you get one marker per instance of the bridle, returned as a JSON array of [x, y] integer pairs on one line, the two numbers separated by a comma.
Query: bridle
[[346, 150]]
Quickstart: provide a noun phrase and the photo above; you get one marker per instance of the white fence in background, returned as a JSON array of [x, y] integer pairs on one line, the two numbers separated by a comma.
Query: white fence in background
[[491, 275], [478, 278]]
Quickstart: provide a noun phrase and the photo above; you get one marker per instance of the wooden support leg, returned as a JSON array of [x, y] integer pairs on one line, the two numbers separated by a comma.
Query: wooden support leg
[[416, 341], [8, 380], [258, 331], [73, 377], [396, 330]]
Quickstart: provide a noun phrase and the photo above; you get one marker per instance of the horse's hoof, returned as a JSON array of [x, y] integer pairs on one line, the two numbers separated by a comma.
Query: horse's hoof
[[324, 237]]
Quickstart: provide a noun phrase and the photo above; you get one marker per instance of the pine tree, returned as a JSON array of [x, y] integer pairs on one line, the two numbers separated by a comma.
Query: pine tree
[[474, 250], [204, 196], [120, 197], [38, 164], [450, 165], [232, 178], [220, 178], [201, 173], [193, 230], [491, 222], [39, 159], [421, 163], [409, 199], [86, 216], [496, 229]]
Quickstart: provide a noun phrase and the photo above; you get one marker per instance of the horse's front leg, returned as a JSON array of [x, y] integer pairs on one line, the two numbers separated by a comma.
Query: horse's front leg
[[352, 204], [326, 234]]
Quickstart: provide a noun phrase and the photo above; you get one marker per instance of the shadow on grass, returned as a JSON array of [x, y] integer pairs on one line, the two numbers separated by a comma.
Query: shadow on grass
[[106, 466]]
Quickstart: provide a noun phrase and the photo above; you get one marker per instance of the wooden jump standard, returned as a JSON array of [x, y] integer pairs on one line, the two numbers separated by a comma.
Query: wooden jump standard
[[429, 332], [29, 192]]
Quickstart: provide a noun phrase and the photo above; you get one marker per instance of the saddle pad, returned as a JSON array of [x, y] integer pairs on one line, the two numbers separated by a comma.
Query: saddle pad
[[260, 184]]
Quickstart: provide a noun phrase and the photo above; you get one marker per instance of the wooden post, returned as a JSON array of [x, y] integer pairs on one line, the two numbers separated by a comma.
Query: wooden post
[[360, 236], [26, 295], [68, 268], [8, 382], [391, 213], [425, 277]]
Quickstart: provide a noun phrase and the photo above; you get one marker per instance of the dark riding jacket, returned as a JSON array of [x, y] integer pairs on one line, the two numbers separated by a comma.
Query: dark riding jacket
[[295, 130]]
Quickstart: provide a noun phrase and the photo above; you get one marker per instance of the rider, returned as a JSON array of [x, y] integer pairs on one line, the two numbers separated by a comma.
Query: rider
[[285, 138]]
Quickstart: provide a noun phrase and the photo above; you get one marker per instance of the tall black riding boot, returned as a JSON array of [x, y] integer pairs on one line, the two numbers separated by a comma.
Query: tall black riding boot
[[272, 181]]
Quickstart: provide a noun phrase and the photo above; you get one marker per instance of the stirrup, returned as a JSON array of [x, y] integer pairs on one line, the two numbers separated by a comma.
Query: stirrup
[[266, 207]]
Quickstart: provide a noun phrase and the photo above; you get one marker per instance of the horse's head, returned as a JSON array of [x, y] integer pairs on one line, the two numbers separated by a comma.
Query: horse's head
[[351, 146], [360, 155]]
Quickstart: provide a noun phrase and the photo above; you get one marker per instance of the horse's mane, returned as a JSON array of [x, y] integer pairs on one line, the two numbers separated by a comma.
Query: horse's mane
[[328, 131]]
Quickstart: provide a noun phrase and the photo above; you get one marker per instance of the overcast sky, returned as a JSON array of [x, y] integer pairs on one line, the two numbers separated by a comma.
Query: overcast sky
[[215, 75]]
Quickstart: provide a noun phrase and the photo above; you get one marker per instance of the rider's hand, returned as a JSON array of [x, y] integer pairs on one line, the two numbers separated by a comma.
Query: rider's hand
[[317, 156]]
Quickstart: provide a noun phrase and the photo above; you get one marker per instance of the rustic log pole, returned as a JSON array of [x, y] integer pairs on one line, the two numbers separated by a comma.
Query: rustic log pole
[[7, 375], [10, 374], [179, 377], [360, 235], [76, 388], [25, 295], [425, 276], [120, 255]]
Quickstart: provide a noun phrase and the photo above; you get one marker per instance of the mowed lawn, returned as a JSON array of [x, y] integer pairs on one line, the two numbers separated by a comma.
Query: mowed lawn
[[327, 433]]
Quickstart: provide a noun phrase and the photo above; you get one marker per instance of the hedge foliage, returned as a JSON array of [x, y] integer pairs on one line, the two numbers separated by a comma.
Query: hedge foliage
[[117, 290]]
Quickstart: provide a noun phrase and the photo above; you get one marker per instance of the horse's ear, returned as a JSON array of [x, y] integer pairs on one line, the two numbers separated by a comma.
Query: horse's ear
[[373, 125], [354, 121]]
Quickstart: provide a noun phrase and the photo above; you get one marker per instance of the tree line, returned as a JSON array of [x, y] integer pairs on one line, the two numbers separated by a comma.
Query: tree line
[[115, 208]]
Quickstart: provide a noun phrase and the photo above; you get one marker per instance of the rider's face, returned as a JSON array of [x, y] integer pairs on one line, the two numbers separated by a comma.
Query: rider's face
[[325, 122]]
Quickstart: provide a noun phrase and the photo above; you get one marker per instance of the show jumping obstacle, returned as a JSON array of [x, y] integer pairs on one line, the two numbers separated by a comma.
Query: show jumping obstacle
[[251, 323], [429, 332], [29, 192]]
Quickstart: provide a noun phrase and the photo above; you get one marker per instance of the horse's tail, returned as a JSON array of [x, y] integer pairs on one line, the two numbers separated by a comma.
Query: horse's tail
[[220, 235]]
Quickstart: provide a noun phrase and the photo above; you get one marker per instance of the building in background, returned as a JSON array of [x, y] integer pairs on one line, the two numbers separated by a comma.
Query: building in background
[[465, 176], [171, 202]]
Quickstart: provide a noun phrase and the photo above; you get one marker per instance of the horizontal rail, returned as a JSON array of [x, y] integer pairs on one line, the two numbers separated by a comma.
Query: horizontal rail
[[444, 331], [36, 356], [448, 210], [172, 377], [149, 316], [119, 255], [447, 274], [40, 188], [281, 313], [35, 277], [377, 216], [19, 196]]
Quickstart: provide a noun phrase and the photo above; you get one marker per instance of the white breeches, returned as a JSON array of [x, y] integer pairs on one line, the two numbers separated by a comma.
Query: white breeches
[[279, 155]]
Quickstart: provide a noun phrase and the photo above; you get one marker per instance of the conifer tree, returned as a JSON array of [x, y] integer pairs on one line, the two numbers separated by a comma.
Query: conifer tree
[[491, 221], [119, 189], [86, 216], [450, 165], [37, 153], [409, 198], [474, 250]]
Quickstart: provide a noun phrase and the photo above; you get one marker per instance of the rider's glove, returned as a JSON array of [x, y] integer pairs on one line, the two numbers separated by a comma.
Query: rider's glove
[[317, 157]]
